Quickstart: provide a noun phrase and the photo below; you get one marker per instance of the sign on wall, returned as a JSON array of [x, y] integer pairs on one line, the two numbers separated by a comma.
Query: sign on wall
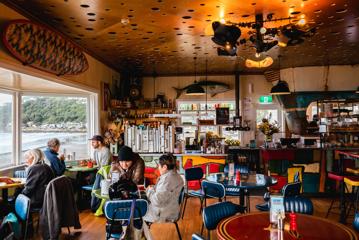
[[265, 99], [40, 47]]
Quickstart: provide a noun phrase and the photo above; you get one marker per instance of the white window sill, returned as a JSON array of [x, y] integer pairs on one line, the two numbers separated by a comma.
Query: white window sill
[[11, 168]]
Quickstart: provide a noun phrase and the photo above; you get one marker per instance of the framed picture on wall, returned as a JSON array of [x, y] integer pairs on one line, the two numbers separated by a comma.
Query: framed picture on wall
[[222, 115], [106, 95]]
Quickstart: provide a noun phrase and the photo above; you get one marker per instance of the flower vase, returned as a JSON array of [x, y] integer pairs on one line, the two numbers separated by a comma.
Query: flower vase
[[268, 139]]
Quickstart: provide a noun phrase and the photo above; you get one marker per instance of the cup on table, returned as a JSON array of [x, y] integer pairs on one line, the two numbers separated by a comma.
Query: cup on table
[[90, 164]]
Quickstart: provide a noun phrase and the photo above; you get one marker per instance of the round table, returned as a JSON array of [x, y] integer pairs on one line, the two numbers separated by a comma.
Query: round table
[[241, 189], [255, 226]]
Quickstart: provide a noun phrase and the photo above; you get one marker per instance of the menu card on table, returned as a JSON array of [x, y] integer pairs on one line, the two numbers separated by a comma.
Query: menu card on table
[[276, 209]]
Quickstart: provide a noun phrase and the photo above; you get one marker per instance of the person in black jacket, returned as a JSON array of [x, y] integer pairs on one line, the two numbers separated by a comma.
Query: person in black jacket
[[38, 176], [56, 161]]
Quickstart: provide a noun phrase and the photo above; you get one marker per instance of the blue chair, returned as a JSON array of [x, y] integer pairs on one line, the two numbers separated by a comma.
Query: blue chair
[[213, 190], [22, 210], [193, 174], [298, 204], [197, 237], [213, 214], [120, 212], [356, 222], [85, 198], [87, 187], [289, 190], [20, 174]]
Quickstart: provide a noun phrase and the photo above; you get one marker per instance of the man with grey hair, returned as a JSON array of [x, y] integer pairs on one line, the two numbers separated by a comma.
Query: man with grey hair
[[38, 176], [56, 161]]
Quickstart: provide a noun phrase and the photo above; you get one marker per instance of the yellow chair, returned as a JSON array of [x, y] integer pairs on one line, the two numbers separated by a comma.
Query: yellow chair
[[295, 172]]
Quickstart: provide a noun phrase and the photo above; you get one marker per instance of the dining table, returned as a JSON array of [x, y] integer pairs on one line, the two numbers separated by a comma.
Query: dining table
[[17, 183], [257, 226], [242, 188]]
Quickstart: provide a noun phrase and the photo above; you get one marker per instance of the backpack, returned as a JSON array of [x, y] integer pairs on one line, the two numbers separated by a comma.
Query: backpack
[[123, 189]]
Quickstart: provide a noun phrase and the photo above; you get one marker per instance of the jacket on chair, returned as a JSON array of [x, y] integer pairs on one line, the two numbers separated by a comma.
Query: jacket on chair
[[59, 208]]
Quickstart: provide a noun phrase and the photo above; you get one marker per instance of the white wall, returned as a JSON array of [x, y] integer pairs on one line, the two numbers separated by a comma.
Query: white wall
[[166, 84], [340, 78]]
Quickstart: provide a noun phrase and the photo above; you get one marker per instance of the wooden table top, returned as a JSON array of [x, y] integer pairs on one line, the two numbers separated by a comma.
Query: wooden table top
[[19, 182], [255, 226]]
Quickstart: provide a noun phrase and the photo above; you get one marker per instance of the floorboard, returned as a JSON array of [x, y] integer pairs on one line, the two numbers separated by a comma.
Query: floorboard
[[94, 227]]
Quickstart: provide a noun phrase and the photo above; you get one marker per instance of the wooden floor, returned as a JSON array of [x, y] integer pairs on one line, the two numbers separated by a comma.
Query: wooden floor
[[94, 227]]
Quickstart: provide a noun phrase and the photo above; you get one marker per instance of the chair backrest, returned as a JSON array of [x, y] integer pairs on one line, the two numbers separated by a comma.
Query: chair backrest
[[121, 209], [213, 189], [214, 213], [356, 222], [298, 204], [22, 207], [197, 237], [291, 189], [194, 173], [180, 202], [20, 174]]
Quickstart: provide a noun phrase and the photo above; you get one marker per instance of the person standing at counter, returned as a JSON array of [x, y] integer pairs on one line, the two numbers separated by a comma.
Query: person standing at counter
[[102, 154], [130, 165], [38, 176], [52, 155]]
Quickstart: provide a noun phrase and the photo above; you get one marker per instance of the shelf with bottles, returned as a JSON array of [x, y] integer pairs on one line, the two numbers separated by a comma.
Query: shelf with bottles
[[338, 110]]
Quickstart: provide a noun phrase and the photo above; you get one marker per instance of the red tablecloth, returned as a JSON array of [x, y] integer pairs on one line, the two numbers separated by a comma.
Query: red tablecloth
[[255, 226]]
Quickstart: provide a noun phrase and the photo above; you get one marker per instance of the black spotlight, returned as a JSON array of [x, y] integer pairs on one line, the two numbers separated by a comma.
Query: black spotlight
[[295, 36], [265, 46], [224, 34], [227, 51]]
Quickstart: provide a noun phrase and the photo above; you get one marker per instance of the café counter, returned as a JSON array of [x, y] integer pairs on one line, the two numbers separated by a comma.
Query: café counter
[[315, 162], [210, 162]]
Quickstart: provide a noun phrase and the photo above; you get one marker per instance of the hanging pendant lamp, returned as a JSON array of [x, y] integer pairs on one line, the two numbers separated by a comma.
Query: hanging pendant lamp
[[281, 88], [195, 89]]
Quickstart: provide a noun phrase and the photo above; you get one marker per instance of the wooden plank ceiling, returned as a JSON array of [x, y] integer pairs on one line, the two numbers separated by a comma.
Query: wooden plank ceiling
[[166, 35]]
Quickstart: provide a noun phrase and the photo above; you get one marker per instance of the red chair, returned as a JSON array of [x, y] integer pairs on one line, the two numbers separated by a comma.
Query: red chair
[[339, 179]]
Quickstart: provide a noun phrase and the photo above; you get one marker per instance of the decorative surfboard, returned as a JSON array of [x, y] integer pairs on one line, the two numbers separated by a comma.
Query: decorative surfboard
[[38, 46]]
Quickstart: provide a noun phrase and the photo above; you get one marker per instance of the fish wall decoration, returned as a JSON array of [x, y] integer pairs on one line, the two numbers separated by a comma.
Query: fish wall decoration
[[211, 87]]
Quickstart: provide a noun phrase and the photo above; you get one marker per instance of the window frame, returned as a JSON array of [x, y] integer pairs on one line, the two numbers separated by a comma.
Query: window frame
[[92, 118], [13, 109]]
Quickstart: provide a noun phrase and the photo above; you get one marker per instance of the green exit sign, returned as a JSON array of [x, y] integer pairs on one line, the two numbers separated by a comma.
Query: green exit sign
[[265, 99]]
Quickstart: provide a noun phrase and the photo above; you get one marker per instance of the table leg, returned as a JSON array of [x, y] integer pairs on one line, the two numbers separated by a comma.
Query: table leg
[[342, 218], [5, 195], [241, 197]]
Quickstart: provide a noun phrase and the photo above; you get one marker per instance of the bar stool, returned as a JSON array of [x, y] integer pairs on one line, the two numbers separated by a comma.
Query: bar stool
[[354, 182], [337, 178]]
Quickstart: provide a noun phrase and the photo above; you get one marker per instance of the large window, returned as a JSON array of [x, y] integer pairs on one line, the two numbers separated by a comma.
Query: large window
[[6, 129], [33, 110], [62, 117]]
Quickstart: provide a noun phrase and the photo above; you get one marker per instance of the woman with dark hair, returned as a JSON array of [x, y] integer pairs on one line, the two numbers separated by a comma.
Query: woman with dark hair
[[129, 165], [163, 197]]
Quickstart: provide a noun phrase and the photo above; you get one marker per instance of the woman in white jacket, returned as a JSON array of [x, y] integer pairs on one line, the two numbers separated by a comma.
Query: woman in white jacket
[[163, 197]]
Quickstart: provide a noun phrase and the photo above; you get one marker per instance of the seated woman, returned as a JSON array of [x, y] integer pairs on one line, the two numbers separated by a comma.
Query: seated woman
[[129, 166], [163, 197], [38, 176]]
